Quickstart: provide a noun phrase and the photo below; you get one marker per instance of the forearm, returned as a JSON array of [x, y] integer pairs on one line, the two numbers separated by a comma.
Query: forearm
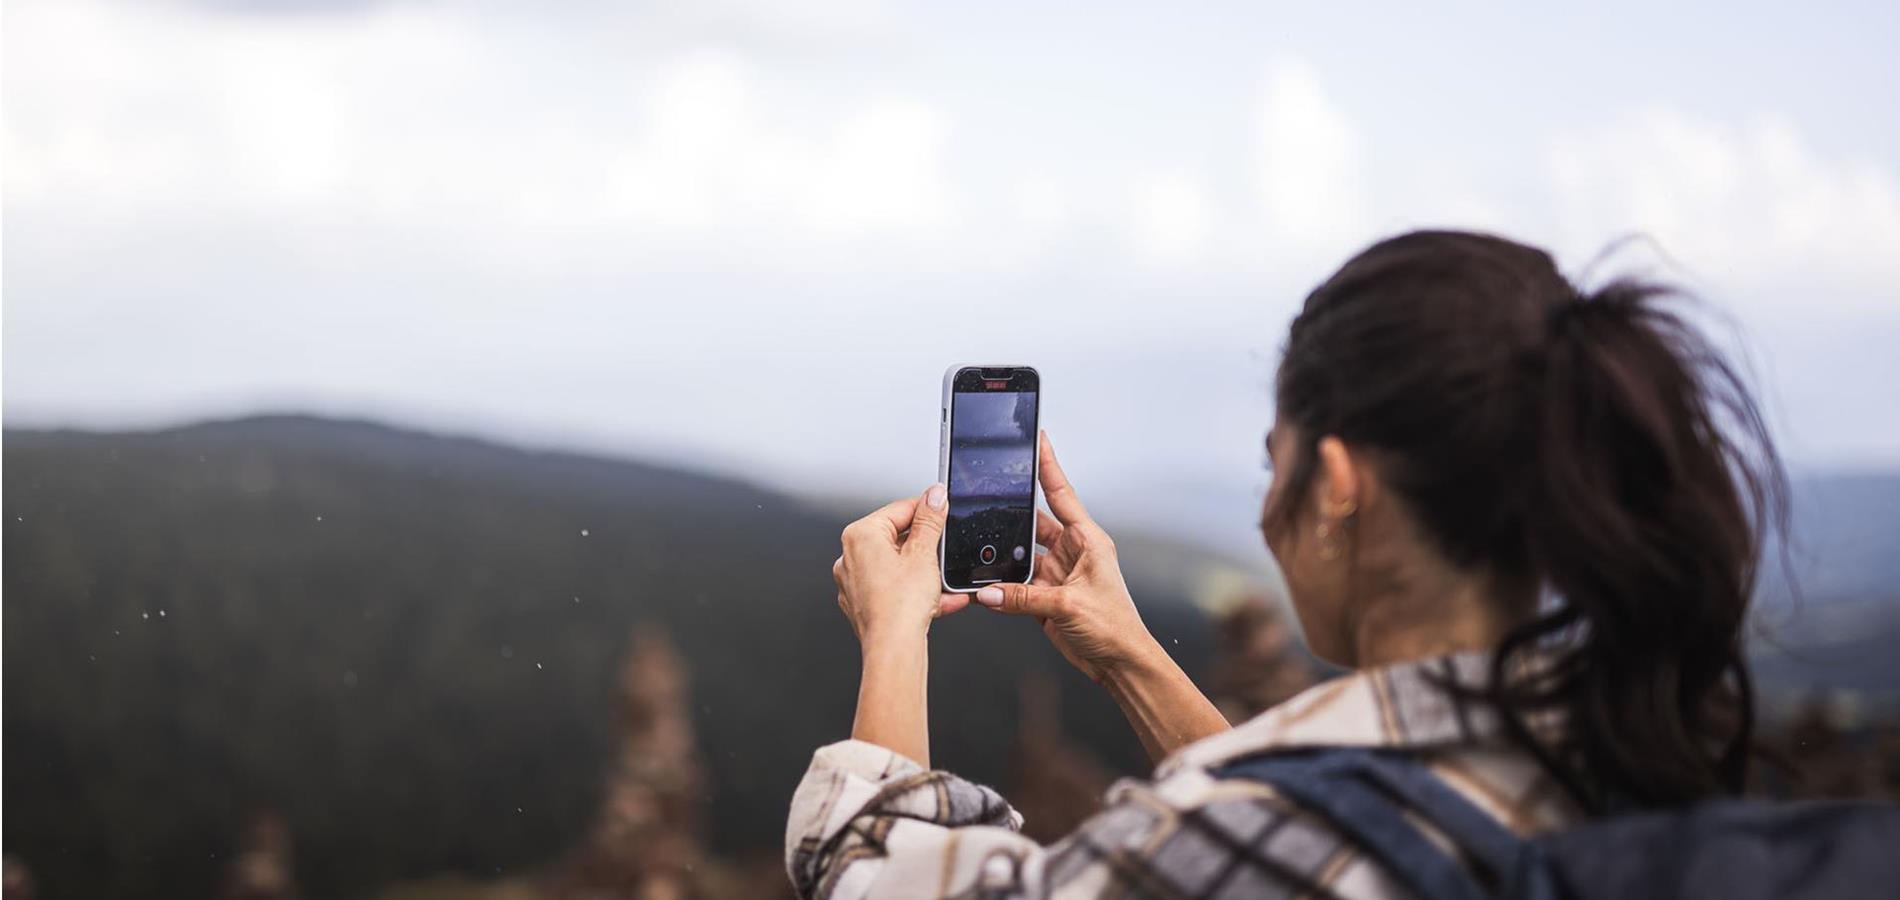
[[1163, 706], [893, 708]]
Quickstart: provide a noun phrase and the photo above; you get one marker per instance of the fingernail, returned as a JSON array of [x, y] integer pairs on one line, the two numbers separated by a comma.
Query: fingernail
[[934, 496], [990, 596]]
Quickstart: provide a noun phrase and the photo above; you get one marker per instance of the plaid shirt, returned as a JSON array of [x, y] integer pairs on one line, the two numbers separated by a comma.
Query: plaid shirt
[[866, 822]]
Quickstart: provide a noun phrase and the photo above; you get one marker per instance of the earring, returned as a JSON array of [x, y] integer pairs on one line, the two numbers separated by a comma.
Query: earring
[[1328, 548]]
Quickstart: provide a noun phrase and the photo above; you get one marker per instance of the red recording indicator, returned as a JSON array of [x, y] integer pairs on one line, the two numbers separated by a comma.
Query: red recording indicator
[[996, 385]]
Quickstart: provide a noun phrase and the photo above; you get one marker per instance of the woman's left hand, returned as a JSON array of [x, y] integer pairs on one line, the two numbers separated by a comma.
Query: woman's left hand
[[889, 584]]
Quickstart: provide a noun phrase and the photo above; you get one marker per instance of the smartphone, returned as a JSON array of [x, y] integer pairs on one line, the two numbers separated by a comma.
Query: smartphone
[[988, 449]]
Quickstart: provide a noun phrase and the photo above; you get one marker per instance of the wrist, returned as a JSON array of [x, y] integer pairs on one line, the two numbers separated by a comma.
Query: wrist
[[1167, 711], [1142, 662], [883, 639], [893, 693]]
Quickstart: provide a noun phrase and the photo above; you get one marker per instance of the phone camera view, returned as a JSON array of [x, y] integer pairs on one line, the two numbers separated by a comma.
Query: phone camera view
[[991, 531]]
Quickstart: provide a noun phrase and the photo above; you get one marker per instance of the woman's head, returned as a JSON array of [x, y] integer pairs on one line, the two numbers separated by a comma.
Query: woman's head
[[1452, 394]]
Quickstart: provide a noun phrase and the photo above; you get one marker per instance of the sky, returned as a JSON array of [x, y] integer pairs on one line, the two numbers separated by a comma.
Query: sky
[[649, 229]]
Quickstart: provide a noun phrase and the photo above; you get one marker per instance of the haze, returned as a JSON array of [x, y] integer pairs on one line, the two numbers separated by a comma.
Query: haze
[[749, 240]]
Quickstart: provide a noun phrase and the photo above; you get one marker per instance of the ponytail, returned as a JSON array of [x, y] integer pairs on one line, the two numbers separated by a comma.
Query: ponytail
[[1594, 444], [1655, 475]]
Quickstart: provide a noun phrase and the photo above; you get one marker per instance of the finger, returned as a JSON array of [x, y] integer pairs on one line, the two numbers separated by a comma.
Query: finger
[[949, 603], [1048, 530], [1050, 570], [886, 522], [1056, 488], [1025, 600], [926, 524]]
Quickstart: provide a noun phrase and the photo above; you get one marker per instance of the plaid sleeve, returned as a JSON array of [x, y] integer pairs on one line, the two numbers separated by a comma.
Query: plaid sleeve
[[867, 822]]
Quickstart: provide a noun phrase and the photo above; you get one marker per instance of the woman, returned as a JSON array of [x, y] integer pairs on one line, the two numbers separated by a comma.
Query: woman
[[1526, 518]]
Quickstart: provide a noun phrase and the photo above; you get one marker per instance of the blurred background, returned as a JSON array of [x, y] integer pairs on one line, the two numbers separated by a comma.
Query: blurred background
[[428, 424]]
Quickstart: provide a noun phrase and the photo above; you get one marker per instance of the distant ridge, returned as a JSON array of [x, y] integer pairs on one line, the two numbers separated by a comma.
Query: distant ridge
[[375, 441], [400, 639], [406, 643]]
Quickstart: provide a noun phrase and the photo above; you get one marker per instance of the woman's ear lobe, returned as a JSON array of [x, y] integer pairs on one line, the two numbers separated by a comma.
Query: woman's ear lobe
[[1341, 487]]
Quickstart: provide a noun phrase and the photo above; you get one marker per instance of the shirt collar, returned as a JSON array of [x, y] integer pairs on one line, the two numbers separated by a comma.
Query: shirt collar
[[1402, 705]]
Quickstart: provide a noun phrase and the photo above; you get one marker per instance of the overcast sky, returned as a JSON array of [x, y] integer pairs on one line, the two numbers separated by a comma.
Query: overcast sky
[[661, 229]]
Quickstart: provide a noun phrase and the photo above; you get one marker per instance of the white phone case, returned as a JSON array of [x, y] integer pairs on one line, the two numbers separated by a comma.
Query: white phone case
[[944, 413]]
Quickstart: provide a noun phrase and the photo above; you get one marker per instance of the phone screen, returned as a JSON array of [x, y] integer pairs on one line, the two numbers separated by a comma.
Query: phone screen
[[990, 536]]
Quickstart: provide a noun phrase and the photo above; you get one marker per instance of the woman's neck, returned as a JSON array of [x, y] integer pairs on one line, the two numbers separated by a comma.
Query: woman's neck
[[1430, 608]]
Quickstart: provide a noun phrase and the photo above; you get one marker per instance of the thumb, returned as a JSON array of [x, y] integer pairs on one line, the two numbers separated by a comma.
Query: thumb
[[927, 526], [1039, 600]]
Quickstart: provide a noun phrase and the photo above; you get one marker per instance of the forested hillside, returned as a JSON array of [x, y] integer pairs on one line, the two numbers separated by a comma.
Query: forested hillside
[[406, 645]]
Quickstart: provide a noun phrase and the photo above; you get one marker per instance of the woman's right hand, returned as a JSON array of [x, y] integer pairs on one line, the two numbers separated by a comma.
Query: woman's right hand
[[1077, 592]]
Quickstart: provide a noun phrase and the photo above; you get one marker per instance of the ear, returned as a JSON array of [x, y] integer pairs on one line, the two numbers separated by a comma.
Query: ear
[[1340, 490]]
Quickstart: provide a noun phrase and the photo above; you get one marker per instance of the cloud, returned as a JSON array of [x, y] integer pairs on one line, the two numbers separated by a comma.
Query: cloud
[[1172, 219], [709, 157], [1307, 162], [1743, 203], [1040, 205], [526, 215], [427, 122], [1740, 203]]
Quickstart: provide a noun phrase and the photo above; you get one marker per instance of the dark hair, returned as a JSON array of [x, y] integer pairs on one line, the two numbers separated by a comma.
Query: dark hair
[[1594, 444]]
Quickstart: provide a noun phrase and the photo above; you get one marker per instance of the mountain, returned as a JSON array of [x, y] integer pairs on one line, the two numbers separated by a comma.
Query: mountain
[[406, 644], [1829, 609]]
